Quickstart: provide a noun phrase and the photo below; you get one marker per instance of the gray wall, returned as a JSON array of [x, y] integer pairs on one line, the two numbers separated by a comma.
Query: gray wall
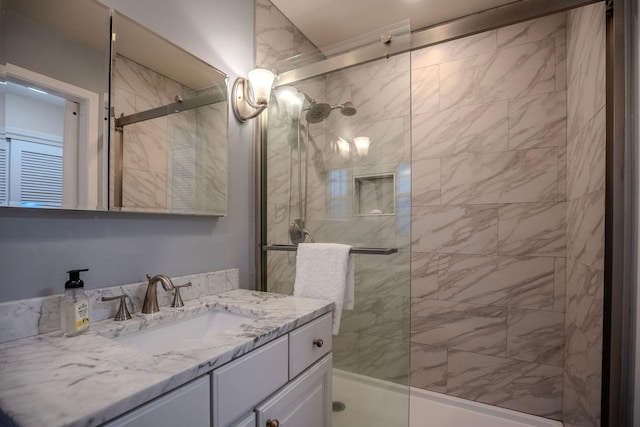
[[37, 247]]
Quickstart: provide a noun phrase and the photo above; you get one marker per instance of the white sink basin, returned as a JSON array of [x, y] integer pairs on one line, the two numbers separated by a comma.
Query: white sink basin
[[183, 333]]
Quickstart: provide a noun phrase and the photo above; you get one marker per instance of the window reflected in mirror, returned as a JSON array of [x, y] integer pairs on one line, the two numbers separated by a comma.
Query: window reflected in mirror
[[54, 59]]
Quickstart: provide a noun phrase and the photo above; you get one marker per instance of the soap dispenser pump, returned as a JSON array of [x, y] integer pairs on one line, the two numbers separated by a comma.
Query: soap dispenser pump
[[74, 306]]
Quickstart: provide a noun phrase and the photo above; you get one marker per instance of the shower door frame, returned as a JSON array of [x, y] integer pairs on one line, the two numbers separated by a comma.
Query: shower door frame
[[619, 286]]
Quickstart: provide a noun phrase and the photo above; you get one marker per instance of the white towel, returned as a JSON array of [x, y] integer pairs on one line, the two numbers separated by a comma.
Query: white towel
[[325, 271]]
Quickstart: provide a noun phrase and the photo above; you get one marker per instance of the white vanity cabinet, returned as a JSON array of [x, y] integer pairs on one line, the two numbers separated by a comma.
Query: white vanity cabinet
[[187, 405], [286, 382]]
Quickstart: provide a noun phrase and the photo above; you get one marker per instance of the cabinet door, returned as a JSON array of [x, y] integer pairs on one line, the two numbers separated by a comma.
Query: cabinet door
[[185, 406], [303, 402]]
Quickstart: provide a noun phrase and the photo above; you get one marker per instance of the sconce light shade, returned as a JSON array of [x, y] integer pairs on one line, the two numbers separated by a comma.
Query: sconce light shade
[[251, 96], [362, 145], [261, 81]]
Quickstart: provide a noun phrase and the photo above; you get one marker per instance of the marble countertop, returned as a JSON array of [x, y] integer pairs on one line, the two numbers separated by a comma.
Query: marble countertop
[[49, 380]]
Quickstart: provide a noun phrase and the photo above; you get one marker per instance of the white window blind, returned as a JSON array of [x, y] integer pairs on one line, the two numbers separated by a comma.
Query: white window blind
[[36, 174]]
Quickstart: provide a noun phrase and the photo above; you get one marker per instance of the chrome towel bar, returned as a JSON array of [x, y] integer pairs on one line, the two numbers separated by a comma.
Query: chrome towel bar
[[367, 251]]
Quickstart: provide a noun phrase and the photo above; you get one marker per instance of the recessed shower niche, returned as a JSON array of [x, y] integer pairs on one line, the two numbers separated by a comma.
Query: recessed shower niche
[[374, 194]]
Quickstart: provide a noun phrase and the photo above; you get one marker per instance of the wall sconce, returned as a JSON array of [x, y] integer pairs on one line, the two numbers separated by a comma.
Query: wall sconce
[[250, 96]]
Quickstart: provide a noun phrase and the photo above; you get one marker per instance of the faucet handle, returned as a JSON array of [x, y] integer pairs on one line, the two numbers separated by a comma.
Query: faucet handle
[[123, 311], [177, 299]]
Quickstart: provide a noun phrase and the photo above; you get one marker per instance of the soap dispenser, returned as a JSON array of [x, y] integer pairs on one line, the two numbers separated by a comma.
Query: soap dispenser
[[74, 306]]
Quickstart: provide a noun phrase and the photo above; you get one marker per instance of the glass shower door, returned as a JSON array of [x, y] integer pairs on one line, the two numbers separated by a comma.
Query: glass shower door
[[340, 170]]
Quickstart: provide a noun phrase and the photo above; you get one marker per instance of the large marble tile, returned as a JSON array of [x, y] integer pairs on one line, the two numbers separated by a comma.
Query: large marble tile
[[384, 358], [585, 303], [345, 351], [134, 78], [522, 386], [585, 35], [383, 97], [538, 121], [585, 229], [455, 229], [583, 380], [428, 368], [562, 174], [469, 327], [586, 158], [425, 90], [146, 146], [561, 61], [391, 277], [274, 32], [302, 45], [586, 67], [535, 336], [425, 182], [497, 280], [532, 30], [532, 229], [511, 177], [559, 284], [375, 314], [424, 275], [138, 188], [473, 129], [522, 70], [455, 49]]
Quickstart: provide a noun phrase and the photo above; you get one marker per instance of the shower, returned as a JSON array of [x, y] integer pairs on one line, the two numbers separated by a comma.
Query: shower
[[316, 112]]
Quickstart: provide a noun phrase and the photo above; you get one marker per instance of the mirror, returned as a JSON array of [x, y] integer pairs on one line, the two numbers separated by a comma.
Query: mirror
[[54, 84], [169, 142], [156, 143]]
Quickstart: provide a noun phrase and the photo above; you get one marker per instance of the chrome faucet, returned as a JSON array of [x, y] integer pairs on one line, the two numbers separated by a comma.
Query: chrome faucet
[[150, 304]]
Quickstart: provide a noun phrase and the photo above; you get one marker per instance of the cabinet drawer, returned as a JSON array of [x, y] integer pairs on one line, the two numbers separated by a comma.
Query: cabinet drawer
[[238, 386], [304, 347], [185, 406]]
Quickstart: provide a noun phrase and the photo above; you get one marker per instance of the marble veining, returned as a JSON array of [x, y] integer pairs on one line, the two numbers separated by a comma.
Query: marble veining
[[40, 375], [584, 286], [505, 73], [489, 206], [497, 280], [513, 177], [523, 386]]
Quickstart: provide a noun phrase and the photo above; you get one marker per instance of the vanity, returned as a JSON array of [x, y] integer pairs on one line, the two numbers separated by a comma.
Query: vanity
[[273, 369]]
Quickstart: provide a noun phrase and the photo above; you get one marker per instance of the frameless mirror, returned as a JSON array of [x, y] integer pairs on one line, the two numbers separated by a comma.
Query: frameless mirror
[[169, 127], [54, 80]]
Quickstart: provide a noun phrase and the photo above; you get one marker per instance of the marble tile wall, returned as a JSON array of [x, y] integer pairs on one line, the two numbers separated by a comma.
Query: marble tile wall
[[498, 269], [585, 215], [489, 234]]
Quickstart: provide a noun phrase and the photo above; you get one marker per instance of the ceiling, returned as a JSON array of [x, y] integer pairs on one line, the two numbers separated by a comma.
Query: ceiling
[[326, 22]]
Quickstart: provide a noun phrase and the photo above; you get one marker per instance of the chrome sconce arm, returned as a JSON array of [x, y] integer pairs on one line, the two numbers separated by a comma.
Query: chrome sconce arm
[[249, 97]]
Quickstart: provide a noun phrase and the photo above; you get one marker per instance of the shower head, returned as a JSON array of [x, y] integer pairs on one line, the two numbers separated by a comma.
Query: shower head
[[348, 109], [317, 113]]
